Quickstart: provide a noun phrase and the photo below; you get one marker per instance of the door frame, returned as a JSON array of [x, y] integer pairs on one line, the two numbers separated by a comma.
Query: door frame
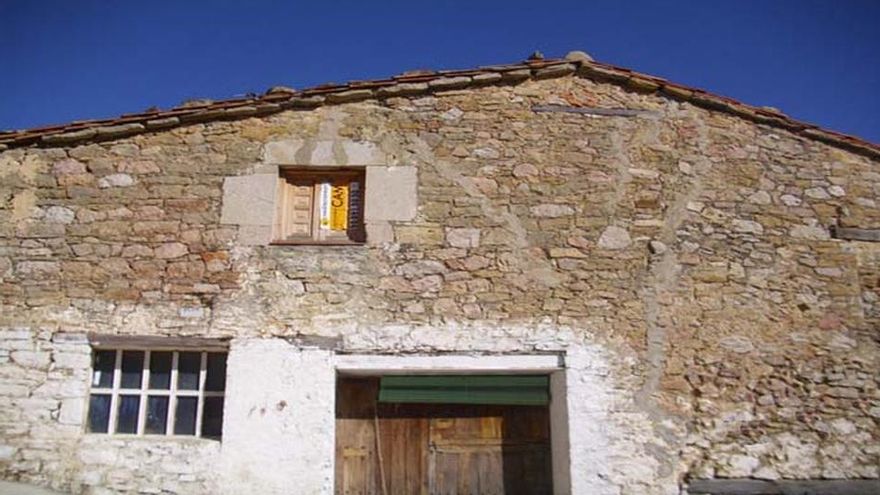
[[552, 364]]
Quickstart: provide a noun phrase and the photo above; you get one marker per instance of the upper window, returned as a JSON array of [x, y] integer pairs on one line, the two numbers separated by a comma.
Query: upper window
[[320, 206], [152, 392]]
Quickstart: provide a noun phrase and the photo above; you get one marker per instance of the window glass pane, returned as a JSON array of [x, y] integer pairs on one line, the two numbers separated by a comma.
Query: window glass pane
[[132, 369], [185, 416], [212, 417], [157, 415], [215, 381], [127, 414], [99, 413], [103, 363], [188, 370], [160, 370]]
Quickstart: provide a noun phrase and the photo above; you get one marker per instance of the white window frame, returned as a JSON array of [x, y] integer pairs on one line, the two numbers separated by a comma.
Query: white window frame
[[173, 393]]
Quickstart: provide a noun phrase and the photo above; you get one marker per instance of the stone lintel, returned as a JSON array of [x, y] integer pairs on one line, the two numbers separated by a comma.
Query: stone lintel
[[855, 234], [249, 200], [783, 487], [391, 194], [316, 341], [445, 363], [108, 341]]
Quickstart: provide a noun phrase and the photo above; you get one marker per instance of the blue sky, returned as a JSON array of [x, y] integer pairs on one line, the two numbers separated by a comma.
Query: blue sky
[[818, 61]]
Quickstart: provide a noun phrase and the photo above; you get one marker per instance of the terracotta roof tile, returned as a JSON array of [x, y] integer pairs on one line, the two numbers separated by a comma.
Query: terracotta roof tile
[[413, 83]]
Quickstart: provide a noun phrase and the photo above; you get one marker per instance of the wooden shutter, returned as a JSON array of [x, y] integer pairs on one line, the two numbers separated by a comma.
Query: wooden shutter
[[297, 214], [356, 231]]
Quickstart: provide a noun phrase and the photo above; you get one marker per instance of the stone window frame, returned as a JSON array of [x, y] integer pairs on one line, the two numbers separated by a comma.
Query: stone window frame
[[115, 391], [312, 177], [390, 189]]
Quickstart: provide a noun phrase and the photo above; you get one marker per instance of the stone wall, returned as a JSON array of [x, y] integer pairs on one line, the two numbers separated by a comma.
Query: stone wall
[[691, 246], [45, 381]]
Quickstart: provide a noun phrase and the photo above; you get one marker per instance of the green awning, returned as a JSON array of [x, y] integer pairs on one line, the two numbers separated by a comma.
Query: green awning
[[521, 390]]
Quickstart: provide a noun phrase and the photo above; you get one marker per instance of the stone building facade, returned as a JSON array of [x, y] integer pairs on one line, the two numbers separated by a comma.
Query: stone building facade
[[697, 276]]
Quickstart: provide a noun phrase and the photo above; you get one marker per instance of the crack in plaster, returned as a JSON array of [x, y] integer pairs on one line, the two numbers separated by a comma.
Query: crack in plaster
[[661, 280], [664, 274]]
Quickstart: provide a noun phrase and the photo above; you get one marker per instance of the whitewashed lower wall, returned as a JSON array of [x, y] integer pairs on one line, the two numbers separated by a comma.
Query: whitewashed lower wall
[[279, 417], [44, 382]]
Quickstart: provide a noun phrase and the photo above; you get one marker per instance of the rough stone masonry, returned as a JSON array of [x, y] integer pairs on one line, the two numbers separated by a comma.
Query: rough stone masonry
[[679, 257]]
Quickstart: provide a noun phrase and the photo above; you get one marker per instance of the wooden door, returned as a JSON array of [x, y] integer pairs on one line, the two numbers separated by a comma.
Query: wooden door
[[437, 448], [490, 450], [356, 460]]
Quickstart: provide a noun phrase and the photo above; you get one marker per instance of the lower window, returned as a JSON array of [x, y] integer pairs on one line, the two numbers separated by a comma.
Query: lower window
[[157, 392]]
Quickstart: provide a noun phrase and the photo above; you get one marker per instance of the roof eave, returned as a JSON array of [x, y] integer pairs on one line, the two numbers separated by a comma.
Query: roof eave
[[415, 84]]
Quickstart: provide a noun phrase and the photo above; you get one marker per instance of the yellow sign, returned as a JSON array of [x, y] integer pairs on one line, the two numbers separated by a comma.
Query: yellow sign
[[339, 207]]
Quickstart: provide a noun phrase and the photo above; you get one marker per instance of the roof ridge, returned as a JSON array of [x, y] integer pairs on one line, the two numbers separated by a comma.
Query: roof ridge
[[413, 83]]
